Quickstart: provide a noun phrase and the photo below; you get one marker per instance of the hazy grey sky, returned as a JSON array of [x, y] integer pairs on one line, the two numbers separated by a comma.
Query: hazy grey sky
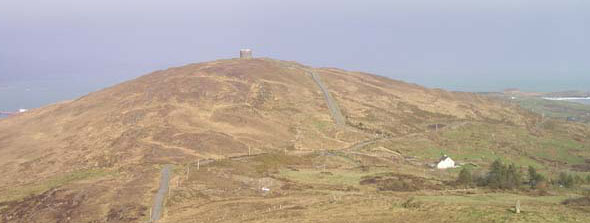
[[456, 44]]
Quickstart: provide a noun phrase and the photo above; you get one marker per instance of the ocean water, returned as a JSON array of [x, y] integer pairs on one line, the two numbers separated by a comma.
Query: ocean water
[[492, 83], [33, 94]]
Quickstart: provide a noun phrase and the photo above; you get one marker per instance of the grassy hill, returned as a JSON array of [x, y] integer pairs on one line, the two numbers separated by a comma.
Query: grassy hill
[[232, 127]]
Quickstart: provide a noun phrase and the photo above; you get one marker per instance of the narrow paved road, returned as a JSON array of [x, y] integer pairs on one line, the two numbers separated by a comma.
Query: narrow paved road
[[159, 199], [334, 109]]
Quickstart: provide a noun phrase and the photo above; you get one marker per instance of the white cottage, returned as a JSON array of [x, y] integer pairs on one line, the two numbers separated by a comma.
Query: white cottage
[[445, 162]]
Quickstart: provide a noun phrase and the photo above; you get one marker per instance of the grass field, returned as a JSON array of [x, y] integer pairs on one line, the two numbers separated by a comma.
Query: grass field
[[499, 207], [325, 185], [20, 192], [303, 191], [556, 109]]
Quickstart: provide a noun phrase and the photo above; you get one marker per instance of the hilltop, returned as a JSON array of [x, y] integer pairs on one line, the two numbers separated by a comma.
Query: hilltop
[[97, 158]]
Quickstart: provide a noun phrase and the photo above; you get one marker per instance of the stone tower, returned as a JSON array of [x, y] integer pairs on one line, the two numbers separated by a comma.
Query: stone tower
[[245, 54]]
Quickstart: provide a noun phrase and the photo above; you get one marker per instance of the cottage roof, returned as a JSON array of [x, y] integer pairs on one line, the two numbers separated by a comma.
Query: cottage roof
[[443, 158]]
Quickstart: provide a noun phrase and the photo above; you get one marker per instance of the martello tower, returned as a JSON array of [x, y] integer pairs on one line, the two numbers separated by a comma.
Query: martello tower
[[245, 54]]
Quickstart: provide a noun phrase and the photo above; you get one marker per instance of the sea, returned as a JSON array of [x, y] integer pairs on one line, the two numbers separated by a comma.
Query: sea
[[581, 100], [15, 95]]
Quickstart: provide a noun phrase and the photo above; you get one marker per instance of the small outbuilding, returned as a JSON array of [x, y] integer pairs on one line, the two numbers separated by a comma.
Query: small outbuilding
[[445, 162], [245, 54]]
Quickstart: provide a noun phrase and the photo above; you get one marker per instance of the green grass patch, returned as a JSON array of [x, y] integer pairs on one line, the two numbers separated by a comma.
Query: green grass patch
[[20, 192], [275, 161], [502, 199], [337, 177], [499, 207], [556, 109]]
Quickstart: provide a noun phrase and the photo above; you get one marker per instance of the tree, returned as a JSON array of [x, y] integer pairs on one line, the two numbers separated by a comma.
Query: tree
[[494, 178], [535, 179], [532, 175], [465, 177], [571, 181], [512, 177], [502, 176], [578, 180], [566, 180]]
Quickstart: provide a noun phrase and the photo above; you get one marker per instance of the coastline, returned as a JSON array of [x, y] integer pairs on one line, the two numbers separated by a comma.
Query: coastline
[[566, 98]]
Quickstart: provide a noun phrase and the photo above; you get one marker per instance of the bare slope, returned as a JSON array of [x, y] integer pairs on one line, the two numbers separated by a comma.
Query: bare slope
[[103, 151]]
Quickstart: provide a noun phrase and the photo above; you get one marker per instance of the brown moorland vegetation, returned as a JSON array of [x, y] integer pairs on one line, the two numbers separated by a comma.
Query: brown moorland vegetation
[[97, 158]]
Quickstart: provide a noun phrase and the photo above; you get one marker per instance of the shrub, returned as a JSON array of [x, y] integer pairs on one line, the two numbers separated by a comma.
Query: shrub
[[465, 177], [566, 180], [536, 180], [411, 204], [578, 180], [395, 185], [582, 201]]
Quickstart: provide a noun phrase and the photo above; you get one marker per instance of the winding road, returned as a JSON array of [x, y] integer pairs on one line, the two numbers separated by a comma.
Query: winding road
[[159, 199]]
